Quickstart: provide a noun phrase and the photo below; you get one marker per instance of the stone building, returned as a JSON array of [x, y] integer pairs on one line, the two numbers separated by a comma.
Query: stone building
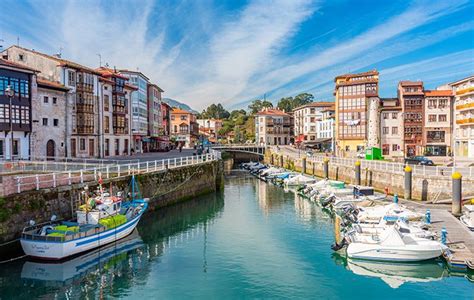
[[357, 105], [411, 97], [82, 117], [48, 137], [272, 127], [391, 128], [437, 129], [15, 111]]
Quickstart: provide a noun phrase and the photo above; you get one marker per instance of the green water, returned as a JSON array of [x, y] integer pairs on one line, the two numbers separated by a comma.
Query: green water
[[252, 241]]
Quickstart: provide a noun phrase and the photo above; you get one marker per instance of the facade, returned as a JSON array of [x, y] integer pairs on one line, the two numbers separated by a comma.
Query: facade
[[272, 127], [82, 117], [464, 117], [115, 107], [437, 129], [411, 97], [48, 137], [210, 128], [184, 128], [165, 129], [155, 121], [139, 109], [15, 111], [391, 128], [357, 105], [307, 119]]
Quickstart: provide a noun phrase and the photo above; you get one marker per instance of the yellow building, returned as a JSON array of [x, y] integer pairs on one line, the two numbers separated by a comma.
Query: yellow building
[[357, 122]]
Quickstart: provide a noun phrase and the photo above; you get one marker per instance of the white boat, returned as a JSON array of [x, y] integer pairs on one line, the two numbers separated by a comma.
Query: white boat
[[468, 216], [298, 179], [102, 220], [392, 211], [392, 245]]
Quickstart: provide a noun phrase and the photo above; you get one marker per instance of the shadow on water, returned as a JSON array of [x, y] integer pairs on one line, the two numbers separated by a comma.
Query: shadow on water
[[110, 270]]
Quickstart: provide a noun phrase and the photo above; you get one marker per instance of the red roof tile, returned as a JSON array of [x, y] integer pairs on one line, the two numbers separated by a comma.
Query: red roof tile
[[50, 84], [272, 112], [439, 93], [4, 62]]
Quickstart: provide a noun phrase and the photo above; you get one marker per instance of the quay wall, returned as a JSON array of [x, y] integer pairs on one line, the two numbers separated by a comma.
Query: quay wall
[[424, 188], [164, 188]]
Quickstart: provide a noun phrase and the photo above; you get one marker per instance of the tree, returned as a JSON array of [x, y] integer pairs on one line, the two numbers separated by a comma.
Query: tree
[[290, 103], [286, 104], [214, 111], [303, 98], [258, 105]]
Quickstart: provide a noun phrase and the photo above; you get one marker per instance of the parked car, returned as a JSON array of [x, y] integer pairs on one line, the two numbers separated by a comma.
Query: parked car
[[419, 160], [309, 153], [361, 154]]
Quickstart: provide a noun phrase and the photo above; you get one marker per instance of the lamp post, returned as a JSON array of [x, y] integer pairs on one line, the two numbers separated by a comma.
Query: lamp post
[[10, 92]]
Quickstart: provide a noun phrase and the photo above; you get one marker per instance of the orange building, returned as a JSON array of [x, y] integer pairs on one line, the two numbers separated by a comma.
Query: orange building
[[184, 128]]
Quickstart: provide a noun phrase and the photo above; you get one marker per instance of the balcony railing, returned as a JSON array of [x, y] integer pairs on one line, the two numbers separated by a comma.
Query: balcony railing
[[465, 106], [465, 121], [466, 90]]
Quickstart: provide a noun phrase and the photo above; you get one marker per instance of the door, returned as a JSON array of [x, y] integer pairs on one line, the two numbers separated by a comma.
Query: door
[[107, 146], [91, 148], [50, 150], [73, 147]]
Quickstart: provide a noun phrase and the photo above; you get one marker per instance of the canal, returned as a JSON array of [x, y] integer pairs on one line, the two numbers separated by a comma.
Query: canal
[[254, 240]]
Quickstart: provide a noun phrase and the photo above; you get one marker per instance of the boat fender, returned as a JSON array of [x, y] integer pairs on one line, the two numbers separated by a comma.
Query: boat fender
[[129, 212], [45, 229]]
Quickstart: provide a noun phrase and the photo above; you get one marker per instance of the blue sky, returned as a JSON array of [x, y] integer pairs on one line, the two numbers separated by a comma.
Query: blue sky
[[202, 52]]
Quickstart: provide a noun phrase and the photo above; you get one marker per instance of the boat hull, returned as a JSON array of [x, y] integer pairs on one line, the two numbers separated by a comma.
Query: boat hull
[[58, 250], [392, 253]]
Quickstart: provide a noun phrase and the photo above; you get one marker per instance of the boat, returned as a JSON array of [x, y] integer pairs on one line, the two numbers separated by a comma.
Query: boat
[[392, 245], [298, 179], [101, 220], [392, 211], [468, 217]]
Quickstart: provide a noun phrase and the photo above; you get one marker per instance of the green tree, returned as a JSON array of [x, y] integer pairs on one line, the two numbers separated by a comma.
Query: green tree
[[258, 105], [214, 111], [289, 103], [286, 104]]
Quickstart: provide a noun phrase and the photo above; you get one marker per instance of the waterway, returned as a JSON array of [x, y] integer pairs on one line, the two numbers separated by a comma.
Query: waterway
[[253, 240]]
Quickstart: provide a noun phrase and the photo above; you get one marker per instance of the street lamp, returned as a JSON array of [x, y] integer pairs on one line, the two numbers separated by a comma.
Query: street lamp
[[10, 92]]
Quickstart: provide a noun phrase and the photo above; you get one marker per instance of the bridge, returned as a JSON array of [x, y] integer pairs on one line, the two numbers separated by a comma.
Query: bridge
[[241, 148]]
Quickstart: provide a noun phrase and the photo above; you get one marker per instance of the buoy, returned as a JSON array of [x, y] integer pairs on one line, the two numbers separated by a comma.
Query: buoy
[[444, 234], [428, 217], [395, 198]]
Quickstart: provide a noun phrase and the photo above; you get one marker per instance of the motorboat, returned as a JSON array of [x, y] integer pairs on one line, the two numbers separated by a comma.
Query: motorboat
[[468, 216], [392, 211], [391, 245], [101, 220], [299, 179]]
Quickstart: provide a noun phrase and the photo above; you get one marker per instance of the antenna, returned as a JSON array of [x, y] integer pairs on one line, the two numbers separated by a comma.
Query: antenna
[[60, 52], [18, 41], [100, 59]]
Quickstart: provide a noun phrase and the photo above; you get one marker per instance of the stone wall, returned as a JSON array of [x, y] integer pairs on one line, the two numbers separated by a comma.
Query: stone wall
[[424, 188], [163, 188]]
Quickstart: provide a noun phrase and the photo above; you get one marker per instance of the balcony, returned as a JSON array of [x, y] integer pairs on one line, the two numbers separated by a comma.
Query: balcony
[[85, 129], [466, 106], [84, 87], [84, 108], [465, 121], [465, 91]]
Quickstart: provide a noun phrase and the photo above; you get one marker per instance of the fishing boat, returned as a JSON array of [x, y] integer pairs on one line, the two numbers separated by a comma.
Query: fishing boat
[[468, 217], [392, 245], [101, 220]]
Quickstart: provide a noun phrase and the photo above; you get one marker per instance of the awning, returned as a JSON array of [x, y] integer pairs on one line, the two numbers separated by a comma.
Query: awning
[[299, 138], [317, 142]]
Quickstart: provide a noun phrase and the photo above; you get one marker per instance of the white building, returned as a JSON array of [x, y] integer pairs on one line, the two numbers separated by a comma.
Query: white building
[[308, 119], [272, 127], [391, 128]]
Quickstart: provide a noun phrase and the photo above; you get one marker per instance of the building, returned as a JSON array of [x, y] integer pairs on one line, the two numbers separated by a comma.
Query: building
[[184, 128], [411, 97], [15, 109], [391, 128], [464, 117], [306, 119], [437, 129], [272, 127], [165, 126], [115, 112], [326, 129], [139, 109], [82, 117], [154, 117], [48, 109], [209, 128], [357, 118]]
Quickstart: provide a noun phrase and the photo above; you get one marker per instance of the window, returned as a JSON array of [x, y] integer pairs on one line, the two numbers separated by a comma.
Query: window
[[45, 121], [172, 118], [394, 130], [16, 146], [55, 100], [2, 153], [184, 118], [442, 118], [385, 130], [385, 149], [443, 103], [394, 147], [21, 57], [431, 118], [394, 115], [55, 122], [106, 124], [45, 99], [82, 144], [385, 116], [106, 102], [71, 78]]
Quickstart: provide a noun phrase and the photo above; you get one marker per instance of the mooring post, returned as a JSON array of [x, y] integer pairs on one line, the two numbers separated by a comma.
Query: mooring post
[[303, 162], [281, 161], [456, 208], [326, 168], [357, 173], [408, 183]]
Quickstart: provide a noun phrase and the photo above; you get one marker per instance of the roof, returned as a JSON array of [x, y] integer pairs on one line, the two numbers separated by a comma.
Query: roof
[[131, 87], [350, 75], [51, 84], [7, 63], [104, 79], [272, 112], [108, 72], [439, 93], [157, 87], [316, 104], [462, 80], [410, 83], [176, 110], [61, 61], [134, 72]]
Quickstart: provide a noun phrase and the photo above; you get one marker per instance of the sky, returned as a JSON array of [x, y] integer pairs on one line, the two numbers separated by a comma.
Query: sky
[[232, 52]]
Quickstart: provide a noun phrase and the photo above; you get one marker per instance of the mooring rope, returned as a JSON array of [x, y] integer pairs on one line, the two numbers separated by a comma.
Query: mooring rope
[[9, 242], [12, 259]]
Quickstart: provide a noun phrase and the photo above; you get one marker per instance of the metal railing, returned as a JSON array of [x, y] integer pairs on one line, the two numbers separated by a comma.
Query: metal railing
[[110, 171], [250, 148]]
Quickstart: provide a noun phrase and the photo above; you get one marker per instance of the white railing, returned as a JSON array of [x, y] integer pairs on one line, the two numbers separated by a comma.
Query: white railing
[[392, 167], [251, 148], [55, 179]]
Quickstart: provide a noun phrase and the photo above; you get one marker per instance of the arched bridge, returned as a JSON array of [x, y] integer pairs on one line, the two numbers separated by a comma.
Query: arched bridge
[[242, 148]]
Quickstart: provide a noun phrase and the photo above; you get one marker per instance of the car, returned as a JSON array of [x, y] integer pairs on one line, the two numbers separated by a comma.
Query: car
[[419, 160], [309, 153], [361, 154]]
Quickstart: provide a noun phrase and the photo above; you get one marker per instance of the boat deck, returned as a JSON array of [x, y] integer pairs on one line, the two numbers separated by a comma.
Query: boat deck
[[460, 239]]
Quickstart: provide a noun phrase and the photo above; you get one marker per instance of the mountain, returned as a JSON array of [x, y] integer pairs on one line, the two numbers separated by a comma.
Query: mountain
[[176, 103]]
